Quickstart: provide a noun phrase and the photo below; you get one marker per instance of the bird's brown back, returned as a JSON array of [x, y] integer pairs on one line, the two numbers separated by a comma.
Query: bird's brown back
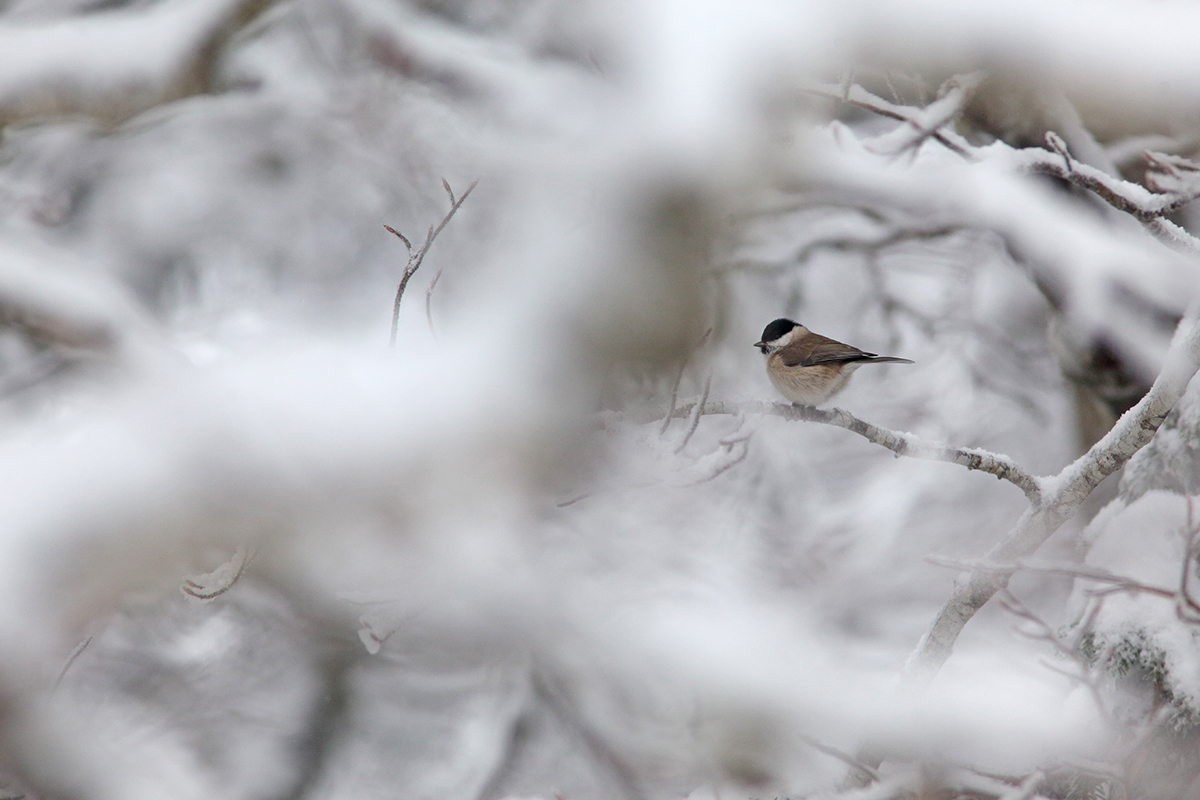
[[817, 349]]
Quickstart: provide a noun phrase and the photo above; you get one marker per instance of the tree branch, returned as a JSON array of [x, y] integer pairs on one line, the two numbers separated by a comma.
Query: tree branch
[[1061, 497], [927, 122], [1131, 198], [1180, 182], [859, 97], [902, 444], [98, 65], [415, 258]]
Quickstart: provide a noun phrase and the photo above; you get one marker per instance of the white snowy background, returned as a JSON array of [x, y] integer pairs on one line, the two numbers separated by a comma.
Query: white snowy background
[[484, 563]]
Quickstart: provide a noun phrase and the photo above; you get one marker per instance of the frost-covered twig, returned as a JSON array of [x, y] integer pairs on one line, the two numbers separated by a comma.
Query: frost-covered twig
[[902, 444], [415, 258], [1142, 204], [1134, 199], [1060, 498], [1123, 195], [859, 97], [216, 583], [1172, 234], [921, 124]]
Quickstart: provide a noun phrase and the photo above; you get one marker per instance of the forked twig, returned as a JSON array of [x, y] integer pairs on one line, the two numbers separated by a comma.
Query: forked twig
[[416, 257]]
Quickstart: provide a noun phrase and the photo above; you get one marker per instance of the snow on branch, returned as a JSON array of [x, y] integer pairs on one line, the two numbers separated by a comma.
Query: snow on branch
[[924, 123], [1179, 185], [902, 444], [1174, 181], [919, 122], [1060, 498], [47, 301], [111, 65]]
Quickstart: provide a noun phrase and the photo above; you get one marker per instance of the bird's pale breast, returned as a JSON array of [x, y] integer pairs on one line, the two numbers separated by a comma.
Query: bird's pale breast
[[809, 386]]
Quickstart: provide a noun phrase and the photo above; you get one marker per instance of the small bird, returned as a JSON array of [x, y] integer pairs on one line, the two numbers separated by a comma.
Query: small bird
[[808, 368]]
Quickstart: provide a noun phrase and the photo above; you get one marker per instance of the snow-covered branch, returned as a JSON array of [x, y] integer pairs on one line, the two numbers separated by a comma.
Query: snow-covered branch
[[1176, 180], [1061, 497], [902, 444], [859, 97], [926, 122], [1146, 206], [112, 65]]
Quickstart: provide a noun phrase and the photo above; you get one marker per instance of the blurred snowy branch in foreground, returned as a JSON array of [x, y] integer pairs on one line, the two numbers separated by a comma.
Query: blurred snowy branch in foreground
[[487, 565]]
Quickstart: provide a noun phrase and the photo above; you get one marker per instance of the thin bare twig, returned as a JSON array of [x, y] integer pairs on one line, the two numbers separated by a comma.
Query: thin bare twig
[[875, 241], [729, 446], [416, 257], [679, 379], [868, 773], [75, 653], [699, 408], [429, 302], [1073, 651]]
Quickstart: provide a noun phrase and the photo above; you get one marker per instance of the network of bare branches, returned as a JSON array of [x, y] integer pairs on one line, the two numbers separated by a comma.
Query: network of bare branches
[[1168, 184]]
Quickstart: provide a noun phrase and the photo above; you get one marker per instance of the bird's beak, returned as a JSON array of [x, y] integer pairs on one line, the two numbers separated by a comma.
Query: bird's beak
[[759, 344]]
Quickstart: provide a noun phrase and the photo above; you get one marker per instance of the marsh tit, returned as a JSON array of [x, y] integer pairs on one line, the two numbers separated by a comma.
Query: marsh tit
[[808, 368]]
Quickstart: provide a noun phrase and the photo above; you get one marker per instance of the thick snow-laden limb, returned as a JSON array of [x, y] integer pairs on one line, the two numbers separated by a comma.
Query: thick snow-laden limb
[[53, 303], [1061, 497], [902, 444], [112, 65], [1145, 206]]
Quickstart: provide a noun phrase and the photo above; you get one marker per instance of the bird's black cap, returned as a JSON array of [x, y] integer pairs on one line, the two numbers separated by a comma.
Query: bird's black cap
[[779, 327]]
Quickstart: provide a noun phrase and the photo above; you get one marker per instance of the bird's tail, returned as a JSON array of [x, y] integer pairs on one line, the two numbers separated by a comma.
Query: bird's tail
[[880, 359]]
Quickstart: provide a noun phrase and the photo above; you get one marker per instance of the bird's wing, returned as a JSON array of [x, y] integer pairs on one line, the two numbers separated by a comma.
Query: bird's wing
[[817, 349]]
